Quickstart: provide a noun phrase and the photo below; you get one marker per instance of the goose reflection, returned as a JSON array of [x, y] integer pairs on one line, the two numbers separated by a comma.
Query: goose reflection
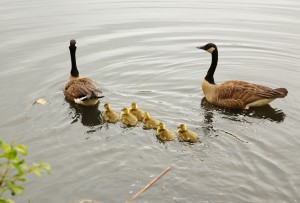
[[89, 116], [265, 112]]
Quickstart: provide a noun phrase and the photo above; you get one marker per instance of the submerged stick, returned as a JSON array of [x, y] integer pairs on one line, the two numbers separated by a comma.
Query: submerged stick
[[236, 137], [149, 184]]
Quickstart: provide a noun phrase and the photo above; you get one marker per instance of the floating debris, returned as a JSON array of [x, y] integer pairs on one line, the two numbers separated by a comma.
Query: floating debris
[[149, 184], [41, 101]]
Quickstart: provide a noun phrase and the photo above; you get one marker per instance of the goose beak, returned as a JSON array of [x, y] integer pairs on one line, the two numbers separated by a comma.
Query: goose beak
[[202, 47]]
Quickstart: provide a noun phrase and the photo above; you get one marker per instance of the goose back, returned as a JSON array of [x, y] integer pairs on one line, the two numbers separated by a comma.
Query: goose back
[[82, 87], [240, 94]]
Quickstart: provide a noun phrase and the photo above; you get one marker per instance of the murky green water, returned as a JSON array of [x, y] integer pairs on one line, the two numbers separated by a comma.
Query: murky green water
[[144, 51]]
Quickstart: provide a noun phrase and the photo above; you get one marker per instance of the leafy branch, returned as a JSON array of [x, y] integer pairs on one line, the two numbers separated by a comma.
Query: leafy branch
[[14, 169]]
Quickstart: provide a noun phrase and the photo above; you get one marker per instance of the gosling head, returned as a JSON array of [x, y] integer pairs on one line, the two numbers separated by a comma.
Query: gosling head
[[146, 115], [182, 127], [134, 105], [107, 107], [125, 111], [210, 47], [161, 126]]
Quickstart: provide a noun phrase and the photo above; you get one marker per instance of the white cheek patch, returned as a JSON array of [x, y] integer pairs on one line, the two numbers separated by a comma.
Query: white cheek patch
[[211, 49]]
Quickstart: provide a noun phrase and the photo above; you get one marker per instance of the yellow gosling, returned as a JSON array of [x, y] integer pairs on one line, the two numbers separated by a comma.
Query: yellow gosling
[[128, 118], [109, 115], [150, 123], [187, 135], [136, 111], [164, 134]]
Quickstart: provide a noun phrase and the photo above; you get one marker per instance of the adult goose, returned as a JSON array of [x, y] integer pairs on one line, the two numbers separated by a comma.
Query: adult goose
[[80, 90], [235, 94]]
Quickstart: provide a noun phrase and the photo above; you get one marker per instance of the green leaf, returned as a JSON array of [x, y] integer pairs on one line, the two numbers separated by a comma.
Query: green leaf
[[2, 200], [42, 167], [22, 149], [2, 190], [6, 147], [25, 167], [19, 162], [16, 189], [46, 166], [37, 172], [18, 167], [12, 154], [1, 143], [21, 179]]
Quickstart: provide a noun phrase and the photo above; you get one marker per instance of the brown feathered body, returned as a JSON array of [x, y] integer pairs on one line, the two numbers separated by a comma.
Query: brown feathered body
[[82, 91], [235, 94], [240, 95]]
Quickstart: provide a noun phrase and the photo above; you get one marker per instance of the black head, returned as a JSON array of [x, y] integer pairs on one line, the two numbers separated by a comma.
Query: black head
[[72, 43], [210, 47]]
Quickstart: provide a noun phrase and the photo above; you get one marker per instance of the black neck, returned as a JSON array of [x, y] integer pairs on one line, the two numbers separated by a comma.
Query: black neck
[[74, 70], [210, 73]]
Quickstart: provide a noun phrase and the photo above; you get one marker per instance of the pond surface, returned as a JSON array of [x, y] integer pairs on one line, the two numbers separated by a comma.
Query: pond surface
[[145, 51]]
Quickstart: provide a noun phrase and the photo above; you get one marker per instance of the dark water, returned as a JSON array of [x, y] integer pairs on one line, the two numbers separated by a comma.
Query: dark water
[[145, 52]]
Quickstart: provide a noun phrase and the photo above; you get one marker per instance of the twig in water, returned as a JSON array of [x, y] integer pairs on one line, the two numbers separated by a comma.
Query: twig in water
[[149, 184], [236, 137]]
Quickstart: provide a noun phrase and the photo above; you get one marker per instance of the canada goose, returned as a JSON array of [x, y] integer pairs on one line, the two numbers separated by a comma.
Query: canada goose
[[187, 135], [109, 115], [164, 134], [150, 123], [137, 112], [128, 118], [80, 90], [235, 94]]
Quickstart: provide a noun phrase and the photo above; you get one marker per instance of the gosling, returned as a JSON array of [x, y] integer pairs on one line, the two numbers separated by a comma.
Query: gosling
[[164, 134], [150, 123], [110, 116], [137, 112], [128, 118], [187, 135]]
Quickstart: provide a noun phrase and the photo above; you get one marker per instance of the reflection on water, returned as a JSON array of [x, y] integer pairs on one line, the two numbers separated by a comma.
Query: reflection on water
[[88, 116], [264, 112]]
